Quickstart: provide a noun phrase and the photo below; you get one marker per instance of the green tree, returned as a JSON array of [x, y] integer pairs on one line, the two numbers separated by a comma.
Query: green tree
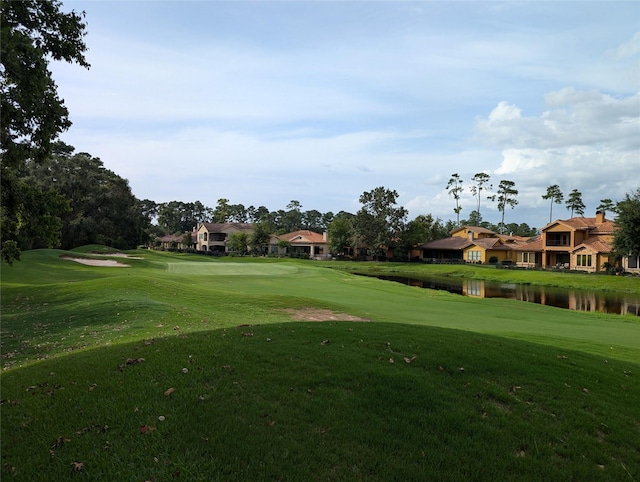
[[554, 194], [606, 205], [238, 242], [292, 219], [379, 222], [259, 239], [480, 183], [626, 241], [222, 211], [455, 189], [32, 32], [416, 232], [574, 203], [340, 233], [506, 196], [103, 209]]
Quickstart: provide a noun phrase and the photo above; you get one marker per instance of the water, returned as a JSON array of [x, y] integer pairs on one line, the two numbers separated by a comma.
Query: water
[[571, 299]]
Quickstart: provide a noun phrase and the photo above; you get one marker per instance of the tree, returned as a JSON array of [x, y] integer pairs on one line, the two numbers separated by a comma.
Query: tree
[[31, 114], [259, 239], [103, 209], [238, 242], [340, 233], [292, 219], [626, 241], [416, 232], [506, 196], [606, 205], [555, 195], [455, 189], [379, 222], [481, 182], [222, 211], [574, 203], [475, 219]]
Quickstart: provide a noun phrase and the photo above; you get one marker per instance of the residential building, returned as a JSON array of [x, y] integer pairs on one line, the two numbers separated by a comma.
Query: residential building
[[212, 237], [301, 242]]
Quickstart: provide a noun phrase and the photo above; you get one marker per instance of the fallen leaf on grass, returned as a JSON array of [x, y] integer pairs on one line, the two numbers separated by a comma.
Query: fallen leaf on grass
[[325, 342], [169, 391], [409, 360], [93, 387], [77, 466], [391, 360], [585, 390], [133, 361], [272, 423], [247, 333], [146, 429]]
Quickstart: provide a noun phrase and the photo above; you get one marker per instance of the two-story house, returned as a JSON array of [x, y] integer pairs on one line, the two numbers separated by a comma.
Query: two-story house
[[212, 237], [582, 244]]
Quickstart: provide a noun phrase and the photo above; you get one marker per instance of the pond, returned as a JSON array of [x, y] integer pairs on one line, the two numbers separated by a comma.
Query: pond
[[571, 299]]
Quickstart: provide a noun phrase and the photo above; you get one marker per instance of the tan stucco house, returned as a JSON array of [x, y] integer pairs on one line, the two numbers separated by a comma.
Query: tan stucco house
[[212, 237], [300, 242]]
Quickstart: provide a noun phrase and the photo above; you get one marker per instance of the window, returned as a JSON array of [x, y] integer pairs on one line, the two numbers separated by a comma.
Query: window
[[474, 256], [633, 261], [583, 260]]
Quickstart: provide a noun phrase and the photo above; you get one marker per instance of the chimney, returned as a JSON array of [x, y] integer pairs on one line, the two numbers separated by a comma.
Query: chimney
[[600, 217], [470, 235], [324, 236]]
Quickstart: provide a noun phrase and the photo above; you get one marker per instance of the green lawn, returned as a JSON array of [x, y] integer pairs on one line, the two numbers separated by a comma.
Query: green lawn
[[434, 386]]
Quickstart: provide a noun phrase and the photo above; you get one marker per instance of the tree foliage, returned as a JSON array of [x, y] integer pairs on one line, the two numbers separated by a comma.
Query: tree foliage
[[554, 194], [379, 222], [455, 190], [102, 208], [626, 240], [574, 203], [506, 196], [480, 182], [33, 32]]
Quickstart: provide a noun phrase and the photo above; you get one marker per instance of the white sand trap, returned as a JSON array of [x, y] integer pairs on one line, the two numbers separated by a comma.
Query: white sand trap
[[111, 263], [116, 255]]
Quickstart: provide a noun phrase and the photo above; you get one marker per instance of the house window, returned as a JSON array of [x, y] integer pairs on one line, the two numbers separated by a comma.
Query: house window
[[583, 260], [474, 256], [633, 261]]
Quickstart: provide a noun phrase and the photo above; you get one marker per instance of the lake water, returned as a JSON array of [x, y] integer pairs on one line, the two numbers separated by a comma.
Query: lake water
[[571, 299]]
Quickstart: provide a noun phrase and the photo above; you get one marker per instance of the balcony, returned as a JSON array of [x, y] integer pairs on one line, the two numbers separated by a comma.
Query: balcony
[[558, 242]]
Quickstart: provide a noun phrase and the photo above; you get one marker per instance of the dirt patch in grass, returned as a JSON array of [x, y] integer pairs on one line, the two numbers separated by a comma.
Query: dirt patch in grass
[[316, 314], [111, 263]]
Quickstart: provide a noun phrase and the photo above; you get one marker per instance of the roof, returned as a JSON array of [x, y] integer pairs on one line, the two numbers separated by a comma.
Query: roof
[[303, 236], [581, 223], [594, 244], [534, 244], [225, 227], [452, 243], [475, 229]]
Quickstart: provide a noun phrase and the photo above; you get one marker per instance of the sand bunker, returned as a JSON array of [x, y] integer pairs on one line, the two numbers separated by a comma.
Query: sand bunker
[[111, 263], [315, 314]]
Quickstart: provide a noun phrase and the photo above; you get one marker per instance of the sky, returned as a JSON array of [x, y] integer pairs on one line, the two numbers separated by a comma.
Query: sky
[[265, 102]]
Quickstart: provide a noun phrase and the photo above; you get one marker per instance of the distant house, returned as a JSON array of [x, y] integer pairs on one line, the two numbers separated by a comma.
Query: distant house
[[301, 242], [582, 244], [212, 237], [472, 244], [180, 241]]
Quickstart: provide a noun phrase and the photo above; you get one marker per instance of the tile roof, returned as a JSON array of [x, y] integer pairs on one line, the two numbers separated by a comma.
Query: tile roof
[[220, 227], [594, 244], [310, 236], [581, 223], [475, 229], [453, 243]]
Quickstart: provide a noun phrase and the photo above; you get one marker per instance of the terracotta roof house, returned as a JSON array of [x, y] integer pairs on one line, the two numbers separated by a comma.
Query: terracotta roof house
[[582, 244], [177, 241], [301, 242], [212, 237], [472, 244]]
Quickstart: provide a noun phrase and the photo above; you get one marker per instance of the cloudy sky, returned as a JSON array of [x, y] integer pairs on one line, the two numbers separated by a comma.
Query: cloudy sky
[[319, 101]]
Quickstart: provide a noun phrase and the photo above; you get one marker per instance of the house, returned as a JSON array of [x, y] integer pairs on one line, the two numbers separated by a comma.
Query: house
[[301, 242], [212, 237], [180, 241], [582, 244], [472, 244]]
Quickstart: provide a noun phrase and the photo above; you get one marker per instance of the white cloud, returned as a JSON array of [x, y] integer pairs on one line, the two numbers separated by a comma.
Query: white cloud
[[627, 49]]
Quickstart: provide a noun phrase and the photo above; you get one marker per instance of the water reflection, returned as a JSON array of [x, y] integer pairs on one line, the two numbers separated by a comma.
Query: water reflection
[[571, 299]]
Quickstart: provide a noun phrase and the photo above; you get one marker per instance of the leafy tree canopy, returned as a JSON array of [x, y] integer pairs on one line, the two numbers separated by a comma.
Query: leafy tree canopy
[[626, 241]]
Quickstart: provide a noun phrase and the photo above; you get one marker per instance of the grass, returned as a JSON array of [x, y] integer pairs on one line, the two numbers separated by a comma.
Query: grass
[[492, 388]]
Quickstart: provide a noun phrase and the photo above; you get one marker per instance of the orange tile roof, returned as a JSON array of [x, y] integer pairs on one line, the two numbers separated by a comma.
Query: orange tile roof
[[311, 236], [594, 244]]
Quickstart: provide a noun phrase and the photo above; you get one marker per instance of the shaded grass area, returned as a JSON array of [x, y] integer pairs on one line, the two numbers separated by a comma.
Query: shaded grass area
[[590, 281], [323, 401]]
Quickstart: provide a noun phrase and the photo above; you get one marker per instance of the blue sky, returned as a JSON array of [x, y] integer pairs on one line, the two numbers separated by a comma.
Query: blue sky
[[266, 102]]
